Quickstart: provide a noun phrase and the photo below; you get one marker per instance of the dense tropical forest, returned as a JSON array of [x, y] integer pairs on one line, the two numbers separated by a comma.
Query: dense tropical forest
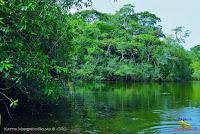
[[44, 49]]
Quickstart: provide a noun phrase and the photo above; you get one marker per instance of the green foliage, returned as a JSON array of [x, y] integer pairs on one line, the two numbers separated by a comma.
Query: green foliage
[[5, 67], [14, 103], [181, 34], [34, 45], [195, 56], [61, 69], [196, 70], [43, 47], [126, 46]]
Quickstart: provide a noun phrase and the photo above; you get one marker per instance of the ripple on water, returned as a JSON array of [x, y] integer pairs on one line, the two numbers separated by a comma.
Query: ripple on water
[[163, 128], [169, 121]]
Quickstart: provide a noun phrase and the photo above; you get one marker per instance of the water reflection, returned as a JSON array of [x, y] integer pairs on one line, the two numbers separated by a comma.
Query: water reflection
[[124, 108]]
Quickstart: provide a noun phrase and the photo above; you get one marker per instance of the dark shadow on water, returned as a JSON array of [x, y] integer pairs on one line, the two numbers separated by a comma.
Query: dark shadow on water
[[116, 108]]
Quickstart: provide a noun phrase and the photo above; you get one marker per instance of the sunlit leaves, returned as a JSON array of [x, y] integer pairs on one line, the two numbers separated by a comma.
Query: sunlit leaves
[[61, 69], [14, 103], [46, 47], [126, 45], [48, 91], [195, 56], [5, 66], [2, 2], [33, 34], [1, 21]]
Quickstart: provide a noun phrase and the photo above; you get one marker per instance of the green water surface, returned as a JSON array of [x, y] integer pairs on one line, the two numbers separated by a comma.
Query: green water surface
[[119, 108]]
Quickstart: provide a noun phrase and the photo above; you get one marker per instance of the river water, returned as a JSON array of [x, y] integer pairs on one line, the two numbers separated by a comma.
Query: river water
[[116, 108]]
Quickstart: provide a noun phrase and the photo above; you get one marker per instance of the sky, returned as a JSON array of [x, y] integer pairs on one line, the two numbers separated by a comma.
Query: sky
[[172, 13]]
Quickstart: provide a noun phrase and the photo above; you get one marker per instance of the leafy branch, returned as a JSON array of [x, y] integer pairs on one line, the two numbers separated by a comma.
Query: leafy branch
[[13, 103]]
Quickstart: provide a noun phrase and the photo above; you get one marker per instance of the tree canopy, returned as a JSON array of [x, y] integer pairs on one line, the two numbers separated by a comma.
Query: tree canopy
[[43, 47]]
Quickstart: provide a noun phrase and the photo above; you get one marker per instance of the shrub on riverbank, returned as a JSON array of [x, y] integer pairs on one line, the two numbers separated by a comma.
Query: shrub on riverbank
[[43, 46]]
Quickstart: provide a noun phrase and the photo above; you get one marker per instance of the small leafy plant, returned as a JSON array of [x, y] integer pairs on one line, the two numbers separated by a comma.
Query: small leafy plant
[[14, 103]]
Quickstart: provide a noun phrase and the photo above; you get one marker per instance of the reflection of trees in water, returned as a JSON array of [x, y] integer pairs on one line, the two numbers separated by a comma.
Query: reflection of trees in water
[[91, 102], [128, 97], [123, 97], [180, 94], [106, 101], [73, 106], [196, 94], [117, 106], [114, 106]]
